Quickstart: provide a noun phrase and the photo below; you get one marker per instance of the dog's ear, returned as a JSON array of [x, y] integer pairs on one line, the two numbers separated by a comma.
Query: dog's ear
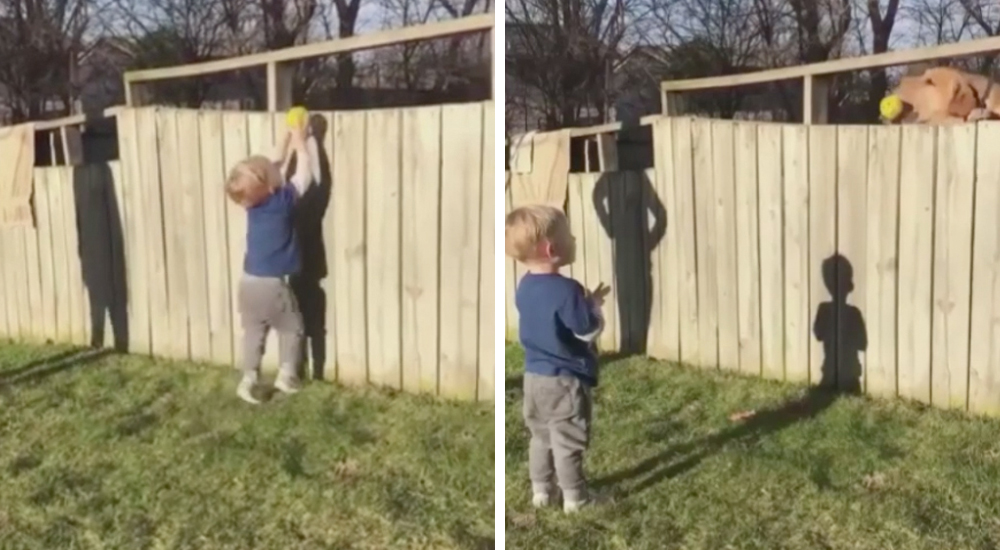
[[962, 96]]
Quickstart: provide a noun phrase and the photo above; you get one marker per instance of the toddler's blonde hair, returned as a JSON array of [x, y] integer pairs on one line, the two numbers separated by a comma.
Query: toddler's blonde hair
[[528, 226], [252, 180]]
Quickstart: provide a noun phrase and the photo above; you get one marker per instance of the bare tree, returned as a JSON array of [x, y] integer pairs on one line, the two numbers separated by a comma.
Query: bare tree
[[881, 27], [41, 43], [562, 55]]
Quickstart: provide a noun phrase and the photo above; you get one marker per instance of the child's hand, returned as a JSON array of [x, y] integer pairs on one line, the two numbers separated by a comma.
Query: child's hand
[[597, 295], [297, 135]]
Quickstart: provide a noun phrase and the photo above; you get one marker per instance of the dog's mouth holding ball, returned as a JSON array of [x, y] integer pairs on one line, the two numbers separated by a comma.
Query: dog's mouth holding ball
[[905, 115]]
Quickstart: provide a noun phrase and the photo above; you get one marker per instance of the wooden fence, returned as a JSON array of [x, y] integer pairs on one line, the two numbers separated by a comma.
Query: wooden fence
[[397, 285], [862, 256]]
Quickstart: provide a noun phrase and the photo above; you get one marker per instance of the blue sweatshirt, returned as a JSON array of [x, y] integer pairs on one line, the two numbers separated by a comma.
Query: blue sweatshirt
[[557, 325]]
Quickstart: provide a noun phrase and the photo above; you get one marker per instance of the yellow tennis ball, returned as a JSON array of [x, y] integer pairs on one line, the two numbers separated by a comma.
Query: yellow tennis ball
[[296, 117], [890, 107]]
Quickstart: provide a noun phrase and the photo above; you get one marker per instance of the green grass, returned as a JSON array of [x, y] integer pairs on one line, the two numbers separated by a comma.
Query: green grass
[[114, 451], [806, 472]]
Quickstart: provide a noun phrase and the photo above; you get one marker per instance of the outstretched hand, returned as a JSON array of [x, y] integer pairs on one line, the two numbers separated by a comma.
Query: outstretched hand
[[598, 295]]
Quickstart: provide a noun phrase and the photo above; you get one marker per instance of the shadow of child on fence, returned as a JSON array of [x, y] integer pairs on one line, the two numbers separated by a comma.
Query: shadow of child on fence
[[101, 247], [841, 329], [306, 285], [625, 214]]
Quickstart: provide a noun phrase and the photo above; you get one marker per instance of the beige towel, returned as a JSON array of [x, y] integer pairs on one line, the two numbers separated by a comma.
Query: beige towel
[[17, 159], [549, 177]]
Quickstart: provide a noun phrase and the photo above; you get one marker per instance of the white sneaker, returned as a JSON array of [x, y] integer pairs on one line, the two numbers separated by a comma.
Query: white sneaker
[[540, 500], [286, 384], [593, 499], [245, 391]]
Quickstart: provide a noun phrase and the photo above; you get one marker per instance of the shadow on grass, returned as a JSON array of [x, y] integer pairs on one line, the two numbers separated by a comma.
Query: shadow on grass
[[839, 327], [43, 368], [681, 458]]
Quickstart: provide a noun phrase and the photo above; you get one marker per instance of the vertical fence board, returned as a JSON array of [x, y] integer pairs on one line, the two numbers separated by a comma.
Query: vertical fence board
[[916, 229], [487, 259], [234, 149], [619, 230], [135, 221], [60, 262], [769, 162], [795, 188], [687, 264], [604, 197], [47, 274], [852, 211], [984, 375], [350, 246], [194, 234], [666, 277], [707, 244], [328, 229], [590, 239], [723, 160], [421, 213], [174, 232], [79, 308], [822, 247], [747, 248], [462, 153], [953, 218], [610, 339], [12, 282], [152, 224], [16, 237], [574, 211], [32, 260], [384, 247], [880, 309], [119, 235], [213, 174]]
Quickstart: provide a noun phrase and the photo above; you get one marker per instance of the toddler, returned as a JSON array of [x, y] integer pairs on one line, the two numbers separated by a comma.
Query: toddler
[[265, 299], [559, 322]]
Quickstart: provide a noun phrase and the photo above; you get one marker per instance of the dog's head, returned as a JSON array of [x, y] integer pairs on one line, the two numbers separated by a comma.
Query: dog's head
[[938, 93]]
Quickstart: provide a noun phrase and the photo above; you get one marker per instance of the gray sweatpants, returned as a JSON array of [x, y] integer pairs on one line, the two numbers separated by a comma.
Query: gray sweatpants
[[266, 303], [557, 410]]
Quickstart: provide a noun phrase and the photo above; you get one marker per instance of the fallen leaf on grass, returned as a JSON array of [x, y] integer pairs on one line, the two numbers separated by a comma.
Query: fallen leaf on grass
[[741, 415], [873, 482], [347, 468], [522, 521]]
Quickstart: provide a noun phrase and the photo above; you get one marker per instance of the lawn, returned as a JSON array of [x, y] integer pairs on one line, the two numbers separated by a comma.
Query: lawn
[[104, 451], [807, 471]]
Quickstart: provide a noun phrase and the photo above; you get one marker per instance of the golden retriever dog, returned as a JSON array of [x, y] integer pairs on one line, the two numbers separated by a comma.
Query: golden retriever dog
[[944, 95]]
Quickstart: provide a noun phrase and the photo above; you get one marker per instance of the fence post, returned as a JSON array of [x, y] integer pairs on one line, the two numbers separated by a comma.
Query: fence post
[[671, 103], [136, 93], [815, 99], [279, 86]]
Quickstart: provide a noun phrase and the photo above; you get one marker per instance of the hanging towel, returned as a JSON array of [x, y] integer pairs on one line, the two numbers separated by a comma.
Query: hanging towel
[[17, 159]]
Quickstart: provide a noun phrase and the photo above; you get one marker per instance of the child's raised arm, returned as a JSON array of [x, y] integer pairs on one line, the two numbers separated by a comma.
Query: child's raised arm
[[306, 157]]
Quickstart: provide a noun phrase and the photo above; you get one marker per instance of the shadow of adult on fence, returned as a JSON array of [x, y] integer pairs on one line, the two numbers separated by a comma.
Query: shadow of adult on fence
[[624, 206], [840, 328], [306, 285], [101, 247]]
